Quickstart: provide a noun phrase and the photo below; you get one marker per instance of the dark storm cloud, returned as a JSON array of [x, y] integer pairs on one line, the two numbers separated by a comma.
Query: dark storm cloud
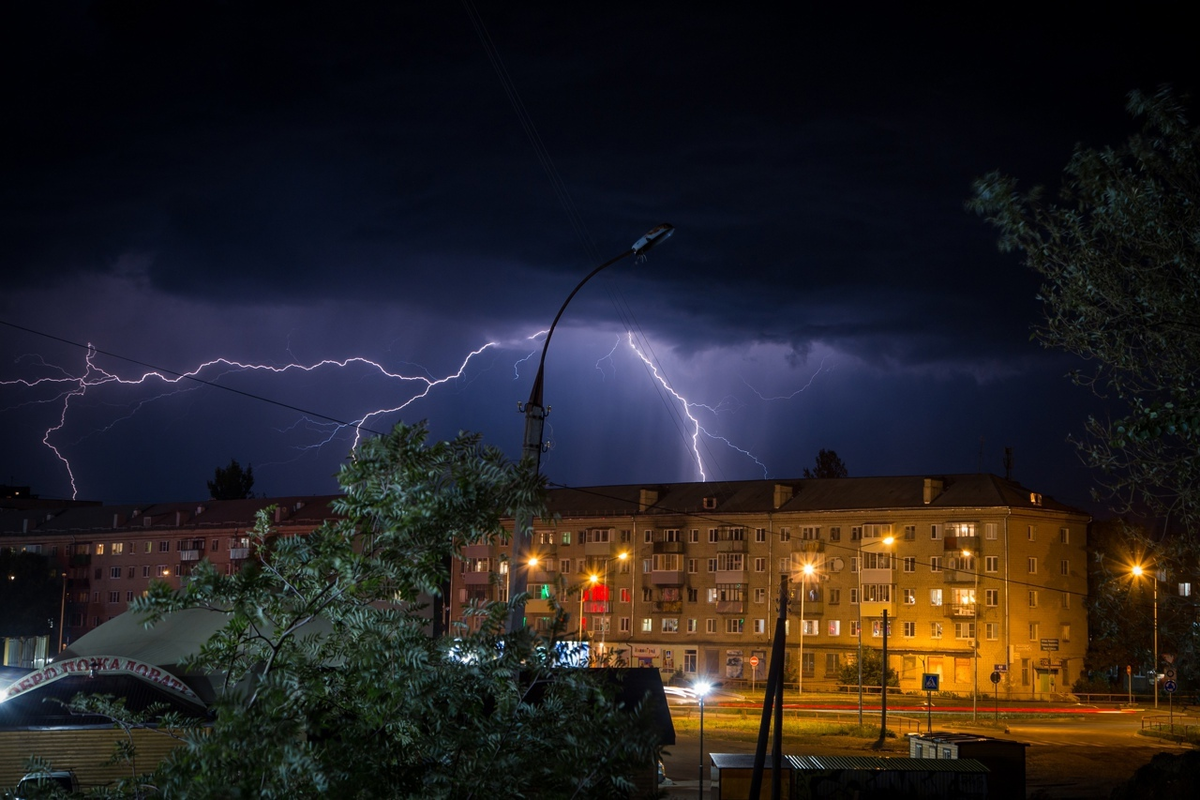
[[307, 180]]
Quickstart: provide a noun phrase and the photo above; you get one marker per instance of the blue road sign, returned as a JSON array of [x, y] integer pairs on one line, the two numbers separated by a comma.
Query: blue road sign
[[929, 681], [1169, 686]]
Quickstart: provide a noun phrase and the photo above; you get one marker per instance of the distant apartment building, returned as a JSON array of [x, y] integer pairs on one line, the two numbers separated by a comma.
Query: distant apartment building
[[107, 555], [975, 573]]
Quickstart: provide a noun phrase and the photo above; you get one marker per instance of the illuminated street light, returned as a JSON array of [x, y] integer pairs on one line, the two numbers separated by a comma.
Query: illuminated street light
[[805, 571], [702, 688], [535, 418], [1137, 572], [975, 628], [591, 582], [886, 541]]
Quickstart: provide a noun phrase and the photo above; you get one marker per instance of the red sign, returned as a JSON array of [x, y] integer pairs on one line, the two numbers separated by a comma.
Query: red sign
[[754, 661]]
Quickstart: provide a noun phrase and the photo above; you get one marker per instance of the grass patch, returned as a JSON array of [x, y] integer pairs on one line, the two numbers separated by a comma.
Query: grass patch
[[1190, 736]]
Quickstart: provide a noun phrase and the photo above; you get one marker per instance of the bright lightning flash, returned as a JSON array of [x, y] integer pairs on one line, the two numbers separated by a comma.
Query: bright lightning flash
[[686, 406], [68, 388]]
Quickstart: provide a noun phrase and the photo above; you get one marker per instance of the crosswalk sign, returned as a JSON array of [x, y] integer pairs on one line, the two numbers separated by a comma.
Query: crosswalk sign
[[929, 681]]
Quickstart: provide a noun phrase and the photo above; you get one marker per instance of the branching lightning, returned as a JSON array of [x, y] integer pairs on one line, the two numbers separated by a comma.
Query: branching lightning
[[686, 407], [68, 389], [761, 396]]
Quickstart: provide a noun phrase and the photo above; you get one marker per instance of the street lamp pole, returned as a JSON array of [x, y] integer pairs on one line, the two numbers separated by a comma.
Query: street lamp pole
[[887, 540], [805, 572], [535, 420], [1138, 571], [702, 689]]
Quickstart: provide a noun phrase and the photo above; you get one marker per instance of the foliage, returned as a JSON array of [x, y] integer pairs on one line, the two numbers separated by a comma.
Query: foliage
[[334, 685], [1122, 609], [828, 466], [232, 482], [872, 670], [1119, 255], [30, 594]]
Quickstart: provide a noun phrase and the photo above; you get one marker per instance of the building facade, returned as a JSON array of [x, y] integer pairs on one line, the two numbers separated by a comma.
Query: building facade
[[974, 572], [977, 575], [108, 555]]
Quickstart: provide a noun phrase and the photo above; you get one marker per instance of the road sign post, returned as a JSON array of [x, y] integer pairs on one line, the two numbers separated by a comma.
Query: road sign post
[[996, 691], [929, 682]]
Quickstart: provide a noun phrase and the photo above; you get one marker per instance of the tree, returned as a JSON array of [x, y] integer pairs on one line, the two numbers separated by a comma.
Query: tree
[[872, 670], [828, 466], [1119, 257], [30, 594], [333, 685], [232, 482]]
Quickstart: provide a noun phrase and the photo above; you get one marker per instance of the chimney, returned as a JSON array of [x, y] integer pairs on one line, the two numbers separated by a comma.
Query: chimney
[[178, 519], [647, 498], [933, 488], [25, 525], [116, 520], [278, 512], [782, 494]]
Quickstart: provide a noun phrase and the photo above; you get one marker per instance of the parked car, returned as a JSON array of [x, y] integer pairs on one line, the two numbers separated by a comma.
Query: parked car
[[46, 783]]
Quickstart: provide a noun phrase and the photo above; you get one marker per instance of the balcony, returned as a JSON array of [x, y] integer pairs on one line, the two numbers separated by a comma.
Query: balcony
[[597, 607], [190, 555], [808, 546], [538, 607], [963, 611], [959, 576], [667, 577], [239, 553], [669, 606], [957, 544], [731, 576], [812, 608], [539, 575], [876, 576], [732, 607], [731, 545], [668, 547], [477, 578], [81, 560], [477, 551], [873, 609], [607, 549]]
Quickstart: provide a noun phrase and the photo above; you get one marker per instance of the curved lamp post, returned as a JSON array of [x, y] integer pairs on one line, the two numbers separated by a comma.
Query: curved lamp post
[[1138, 571], [535, 419]]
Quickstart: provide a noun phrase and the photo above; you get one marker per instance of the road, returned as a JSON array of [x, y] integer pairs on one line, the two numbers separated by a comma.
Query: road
[[1079, 757]]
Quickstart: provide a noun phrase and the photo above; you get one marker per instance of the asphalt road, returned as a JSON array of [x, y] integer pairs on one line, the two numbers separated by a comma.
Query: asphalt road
[[1081, 757]]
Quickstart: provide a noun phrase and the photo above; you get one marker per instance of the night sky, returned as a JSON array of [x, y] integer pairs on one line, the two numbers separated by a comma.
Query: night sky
[[286, 183]]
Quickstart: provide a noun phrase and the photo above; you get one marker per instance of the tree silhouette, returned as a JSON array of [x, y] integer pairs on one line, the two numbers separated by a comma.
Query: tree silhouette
[[232, 482], [828, 466]]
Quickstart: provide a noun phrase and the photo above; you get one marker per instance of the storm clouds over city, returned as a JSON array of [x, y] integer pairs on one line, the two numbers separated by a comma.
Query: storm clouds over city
[[378, 208]]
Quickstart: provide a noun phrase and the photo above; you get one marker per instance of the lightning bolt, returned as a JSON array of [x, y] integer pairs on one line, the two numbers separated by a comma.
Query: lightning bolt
[[609, 359], [686, 406], [69, 388], [532, 353], [761, 396]]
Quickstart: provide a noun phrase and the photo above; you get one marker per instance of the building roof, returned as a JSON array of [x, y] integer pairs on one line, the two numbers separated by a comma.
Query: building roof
[[813, 494]]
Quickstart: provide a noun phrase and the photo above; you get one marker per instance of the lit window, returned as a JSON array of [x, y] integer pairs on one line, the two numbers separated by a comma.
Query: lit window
[[647, 625]]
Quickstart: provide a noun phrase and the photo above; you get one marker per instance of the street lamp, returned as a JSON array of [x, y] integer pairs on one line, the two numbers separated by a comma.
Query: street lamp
[[535, 418], [805, 572], [702, 688], [591, 582], [887, 541], [1138, 571], [967, 554]]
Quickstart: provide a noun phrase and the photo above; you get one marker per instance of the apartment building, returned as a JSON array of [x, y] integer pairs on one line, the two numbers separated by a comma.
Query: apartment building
[[977, 575], [107, 555]]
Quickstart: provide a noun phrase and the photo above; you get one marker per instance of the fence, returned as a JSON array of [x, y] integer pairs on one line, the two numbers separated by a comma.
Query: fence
[[1175, 725]]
